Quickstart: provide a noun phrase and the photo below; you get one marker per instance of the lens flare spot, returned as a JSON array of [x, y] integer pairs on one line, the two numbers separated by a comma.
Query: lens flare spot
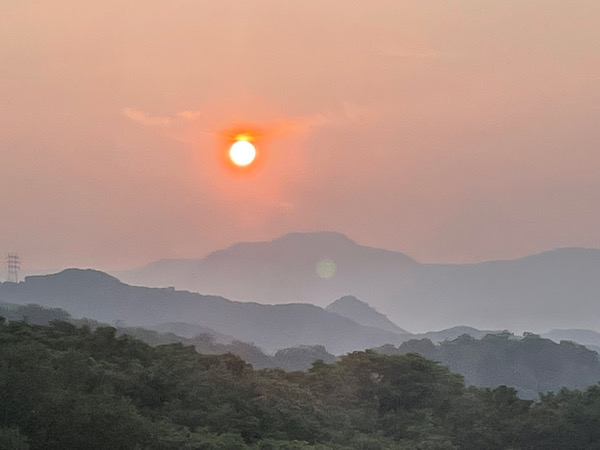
[[325, 268]]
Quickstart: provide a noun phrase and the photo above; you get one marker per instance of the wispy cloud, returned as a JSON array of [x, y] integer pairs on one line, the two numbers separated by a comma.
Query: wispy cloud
[[306, 123], [191, 122], [190, 114], [347, 112], [145, 119]]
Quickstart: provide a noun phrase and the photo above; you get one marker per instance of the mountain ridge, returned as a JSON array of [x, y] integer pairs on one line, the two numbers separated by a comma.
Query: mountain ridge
[[362, 313], [93, 294], [553, 289]]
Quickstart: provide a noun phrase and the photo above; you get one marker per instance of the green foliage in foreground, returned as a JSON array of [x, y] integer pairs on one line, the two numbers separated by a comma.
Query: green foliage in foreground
[[63, 387]]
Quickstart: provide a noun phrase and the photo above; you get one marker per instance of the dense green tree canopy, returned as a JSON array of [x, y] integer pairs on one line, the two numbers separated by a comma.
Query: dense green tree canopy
[[67, 387]]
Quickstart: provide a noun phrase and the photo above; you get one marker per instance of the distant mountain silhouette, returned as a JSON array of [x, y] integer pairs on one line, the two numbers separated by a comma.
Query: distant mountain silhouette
[[530, 364], [588, 338], [204, 339], [190, 330], [96, 295], [362, 313], [554, 289], [452, 333], [284, 270]]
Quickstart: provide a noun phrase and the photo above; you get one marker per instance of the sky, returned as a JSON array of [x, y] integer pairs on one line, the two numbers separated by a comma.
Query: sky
[[453, 131]]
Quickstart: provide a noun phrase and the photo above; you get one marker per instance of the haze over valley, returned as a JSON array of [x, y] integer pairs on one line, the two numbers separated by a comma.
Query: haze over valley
[[298, 337], [300, 225], [554, 289]]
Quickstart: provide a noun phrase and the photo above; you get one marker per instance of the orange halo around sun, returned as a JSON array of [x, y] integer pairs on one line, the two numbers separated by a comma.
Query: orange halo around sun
[[242, 149]]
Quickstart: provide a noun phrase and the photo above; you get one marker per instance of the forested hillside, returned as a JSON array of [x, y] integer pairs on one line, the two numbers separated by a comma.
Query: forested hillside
[[206, 342], [530, 364], [67, 387]]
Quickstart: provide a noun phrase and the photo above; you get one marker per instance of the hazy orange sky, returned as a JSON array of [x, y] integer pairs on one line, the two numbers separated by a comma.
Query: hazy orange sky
[[453, 131]]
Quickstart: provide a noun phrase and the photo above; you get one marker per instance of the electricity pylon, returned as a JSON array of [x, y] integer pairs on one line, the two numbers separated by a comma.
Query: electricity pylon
[[13, 264]]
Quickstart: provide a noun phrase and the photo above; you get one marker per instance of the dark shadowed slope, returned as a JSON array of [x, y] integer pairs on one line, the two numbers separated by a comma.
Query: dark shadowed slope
[[93, 294]]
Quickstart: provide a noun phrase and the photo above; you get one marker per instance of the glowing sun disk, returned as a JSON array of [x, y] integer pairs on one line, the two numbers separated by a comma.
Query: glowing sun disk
[[242, 153]]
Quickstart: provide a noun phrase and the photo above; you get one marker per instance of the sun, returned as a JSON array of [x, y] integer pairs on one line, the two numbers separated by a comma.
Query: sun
[[242, 153]]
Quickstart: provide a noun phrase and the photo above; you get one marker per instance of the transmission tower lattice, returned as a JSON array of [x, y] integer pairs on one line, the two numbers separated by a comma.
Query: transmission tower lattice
[[13, 264]]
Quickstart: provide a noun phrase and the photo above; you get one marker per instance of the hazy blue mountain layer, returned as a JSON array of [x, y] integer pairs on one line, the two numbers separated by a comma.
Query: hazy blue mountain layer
[[362, 313], [530, 364], [205, 340], [96, 295], [555, 289]]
